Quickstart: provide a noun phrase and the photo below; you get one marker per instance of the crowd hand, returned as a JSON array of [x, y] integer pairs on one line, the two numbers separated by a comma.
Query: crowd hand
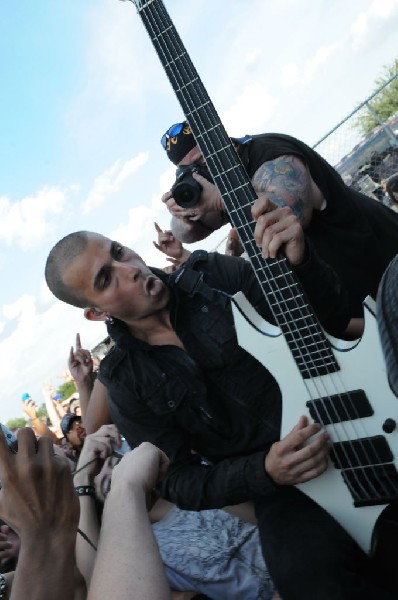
[[210, 201], [98, 445], [37, 495], [168, 244], [233, 246], [29, 408], [295, 459], [80, 362], [277, 227], [9, 543], [142, 468]]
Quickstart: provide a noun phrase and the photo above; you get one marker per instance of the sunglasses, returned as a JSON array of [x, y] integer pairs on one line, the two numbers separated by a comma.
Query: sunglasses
[[171, 132]]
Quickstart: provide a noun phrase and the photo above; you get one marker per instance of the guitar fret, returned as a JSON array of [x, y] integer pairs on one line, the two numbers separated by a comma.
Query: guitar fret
[[185, 86], [173, 61], [197, 109], [161, 33]]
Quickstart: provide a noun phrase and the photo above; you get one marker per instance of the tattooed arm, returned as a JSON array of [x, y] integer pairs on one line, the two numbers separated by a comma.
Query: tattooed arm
[[286, 181]]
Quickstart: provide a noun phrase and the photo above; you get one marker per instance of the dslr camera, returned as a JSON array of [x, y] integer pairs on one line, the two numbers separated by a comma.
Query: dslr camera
[[186, 190]]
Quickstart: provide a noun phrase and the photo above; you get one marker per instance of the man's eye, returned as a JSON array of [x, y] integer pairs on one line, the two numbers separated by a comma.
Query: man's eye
[[119, 252], [105, 281]]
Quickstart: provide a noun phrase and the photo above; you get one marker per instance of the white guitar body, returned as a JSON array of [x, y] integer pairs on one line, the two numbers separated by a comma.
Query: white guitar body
[[362, 367]]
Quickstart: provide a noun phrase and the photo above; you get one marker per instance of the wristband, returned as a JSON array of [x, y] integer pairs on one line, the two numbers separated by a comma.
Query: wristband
[[3, 587], [83, 490]]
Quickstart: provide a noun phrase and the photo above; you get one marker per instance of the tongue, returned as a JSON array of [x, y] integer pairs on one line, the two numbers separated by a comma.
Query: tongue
[[155, 287]]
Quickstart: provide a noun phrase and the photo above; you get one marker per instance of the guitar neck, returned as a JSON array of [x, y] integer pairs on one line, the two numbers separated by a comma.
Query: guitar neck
[[279, 284]]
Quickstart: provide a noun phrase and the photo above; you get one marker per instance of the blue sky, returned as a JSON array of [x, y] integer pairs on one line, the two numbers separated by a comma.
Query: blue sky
[[84, 101]]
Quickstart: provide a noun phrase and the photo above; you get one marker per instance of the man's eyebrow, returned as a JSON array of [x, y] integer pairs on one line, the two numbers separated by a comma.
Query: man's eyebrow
[[99, 276]]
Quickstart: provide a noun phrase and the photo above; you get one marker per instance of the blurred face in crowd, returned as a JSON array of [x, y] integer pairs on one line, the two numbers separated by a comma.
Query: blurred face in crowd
[[102, 481], [77, 433]]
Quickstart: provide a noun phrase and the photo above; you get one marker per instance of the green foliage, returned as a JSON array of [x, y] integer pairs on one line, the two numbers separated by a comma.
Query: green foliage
[[42, 412], [16, 423], [67, 389], [384, 104]]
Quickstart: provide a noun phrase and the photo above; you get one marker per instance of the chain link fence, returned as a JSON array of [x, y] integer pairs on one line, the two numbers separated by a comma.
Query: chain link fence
[[365, 162]]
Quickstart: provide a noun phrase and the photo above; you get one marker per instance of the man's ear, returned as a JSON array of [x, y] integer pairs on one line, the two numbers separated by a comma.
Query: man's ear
[[92, 314]]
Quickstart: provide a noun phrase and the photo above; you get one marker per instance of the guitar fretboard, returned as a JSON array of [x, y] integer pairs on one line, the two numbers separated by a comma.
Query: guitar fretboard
[[303, 333]]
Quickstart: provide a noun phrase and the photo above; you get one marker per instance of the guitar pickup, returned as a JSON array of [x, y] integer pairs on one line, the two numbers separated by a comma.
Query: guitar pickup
[[338, 408]]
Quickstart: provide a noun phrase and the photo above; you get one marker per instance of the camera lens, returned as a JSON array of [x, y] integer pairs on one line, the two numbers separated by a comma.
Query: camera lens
[[186, 190]]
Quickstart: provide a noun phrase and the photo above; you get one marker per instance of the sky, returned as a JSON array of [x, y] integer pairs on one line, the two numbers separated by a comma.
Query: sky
[[84, 102]]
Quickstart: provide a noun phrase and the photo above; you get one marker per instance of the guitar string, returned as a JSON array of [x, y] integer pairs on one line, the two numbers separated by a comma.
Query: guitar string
[[180, 87], [182, 90]]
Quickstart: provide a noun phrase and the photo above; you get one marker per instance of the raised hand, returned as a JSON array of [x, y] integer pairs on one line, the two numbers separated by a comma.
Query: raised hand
[[98, 445], [29, 408], [80, 362], [37, 490], [144, 467], [168, 244], [295, 459]]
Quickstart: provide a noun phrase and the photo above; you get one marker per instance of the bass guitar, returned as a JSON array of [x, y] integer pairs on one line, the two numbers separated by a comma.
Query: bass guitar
[[342, 386]]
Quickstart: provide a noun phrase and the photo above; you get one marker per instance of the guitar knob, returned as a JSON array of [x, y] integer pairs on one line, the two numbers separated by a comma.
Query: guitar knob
[[389, 425]]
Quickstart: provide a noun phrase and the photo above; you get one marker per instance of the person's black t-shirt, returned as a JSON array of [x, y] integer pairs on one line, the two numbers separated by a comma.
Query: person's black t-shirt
[[355, 234]]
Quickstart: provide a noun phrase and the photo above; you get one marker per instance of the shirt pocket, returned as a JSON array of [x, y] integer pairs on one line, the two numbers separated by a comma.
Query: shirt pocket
[[166, 396]]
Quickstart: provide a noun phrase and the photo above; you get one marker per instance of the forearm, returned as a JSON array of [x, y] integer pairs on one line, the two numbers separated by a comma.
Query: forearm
[[41, 429], [51, 411], [85, 388], [128, 564], [194, 486], [89, 525], [45, 568]]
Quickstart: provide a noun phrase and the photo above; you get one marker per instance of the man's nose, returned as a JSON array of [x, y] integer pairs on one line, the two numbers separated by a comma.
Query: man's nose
[[127, 270]]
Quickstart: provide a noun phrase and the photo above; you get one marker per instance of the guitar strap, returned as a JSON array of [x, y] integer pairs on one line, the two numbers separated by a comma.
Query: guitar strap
[[189, 279]]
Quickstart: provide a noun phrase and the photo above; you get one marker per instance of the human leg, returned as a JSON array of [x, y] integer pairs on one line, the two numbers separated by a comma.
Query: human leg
[[308, 554]]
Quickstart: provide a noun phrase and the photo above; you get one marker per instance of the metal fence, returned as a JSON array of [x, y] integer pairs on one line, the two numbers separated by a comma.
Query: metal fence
[[365, 162]]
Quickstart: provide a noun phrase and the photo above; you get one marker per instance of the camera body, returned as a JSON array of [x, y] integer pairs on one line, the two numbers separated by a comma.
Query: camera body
[[186, 190], [10, 438]]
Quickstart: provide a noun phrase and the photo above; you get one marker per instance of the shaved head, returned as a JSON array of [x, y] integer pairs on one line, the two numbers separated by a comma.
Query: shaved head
[[64, 253]]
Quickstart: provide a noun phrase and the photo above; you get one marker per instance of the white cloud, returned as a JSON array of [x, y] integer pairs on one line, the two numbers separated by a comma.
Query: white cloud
[[28, 221], [321, 56], [370, 20], [252, 109], [290, 74], [110, 182]]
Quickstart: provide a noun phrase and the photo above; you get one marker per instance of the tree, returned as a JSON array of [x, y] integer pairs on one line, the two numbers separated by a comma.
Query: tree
[[67, 389], [16, 423], [385, 103]]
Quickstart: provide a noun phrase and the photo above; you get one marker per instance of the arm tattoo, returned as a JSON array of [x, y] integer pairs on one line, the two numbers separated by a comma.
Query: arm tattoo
[[286, 182]]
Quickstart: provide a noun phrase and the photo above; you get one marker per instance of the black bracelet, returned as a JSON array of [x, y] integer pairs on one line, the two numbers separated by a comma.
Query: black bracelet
[[85, 490], [3, 587]]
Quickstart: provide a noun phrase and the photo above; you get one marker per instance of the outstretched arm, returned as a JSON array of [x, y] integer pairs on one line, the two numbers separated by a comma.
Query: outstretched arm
[[128, 564]]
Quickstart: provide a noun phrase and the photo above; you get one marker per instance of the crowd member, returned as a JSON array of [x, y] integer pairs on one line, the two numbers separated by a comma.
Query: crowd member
[[91, 391], [177, 377], [354, 234], [211, 552], [74, 431], [38, 501]]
